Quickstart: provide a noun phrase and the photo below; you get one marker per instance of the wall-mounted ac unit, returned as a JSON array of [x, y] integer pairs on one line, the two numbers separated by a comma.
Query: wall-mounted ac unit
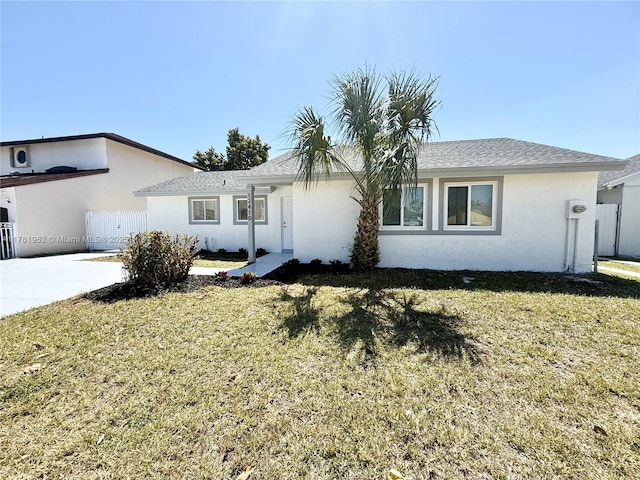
[[20, 157]]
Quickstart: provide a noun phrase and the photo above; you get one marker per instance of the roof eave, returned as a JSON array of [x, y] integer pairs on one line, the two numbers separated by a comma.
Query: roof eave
[[199, 193], [522, 169], [110, 136], [621, 180]]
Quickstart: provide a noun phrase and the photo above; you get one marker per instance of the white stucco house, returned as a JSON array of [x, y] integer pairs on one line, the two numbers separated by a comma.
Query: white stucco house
[[48, 184], [622, 188], [493, 204]]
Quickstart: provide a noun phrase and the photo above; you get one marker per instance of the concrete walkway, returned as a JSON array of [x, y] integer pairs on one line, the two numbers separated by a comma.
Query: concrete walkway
[[263, 265]]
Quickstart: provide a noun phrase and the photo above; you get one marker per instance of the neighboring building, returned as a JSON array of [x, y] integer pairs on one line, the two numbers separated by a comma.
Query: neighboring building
[[494, 204], [622, 188], [47, 185]]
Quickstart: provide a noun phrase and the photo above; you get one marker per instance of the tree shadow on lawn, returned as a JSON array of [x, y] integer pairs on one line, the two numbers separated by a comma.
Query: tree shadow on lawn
[[376, 319], [592, 285]]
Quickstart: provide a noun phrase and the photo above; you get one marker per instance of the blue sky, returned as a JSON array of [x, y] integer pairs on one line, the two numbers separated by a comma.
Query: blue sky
[[178, 75]]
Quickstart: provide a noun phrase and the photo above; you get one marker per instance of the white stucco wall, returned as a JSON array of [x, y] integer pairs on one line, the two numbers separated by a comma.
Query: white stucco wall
[[325, 221], [50, 216], [533, 237], [131, 169], [171, 214], [630, 218], [82, 154]]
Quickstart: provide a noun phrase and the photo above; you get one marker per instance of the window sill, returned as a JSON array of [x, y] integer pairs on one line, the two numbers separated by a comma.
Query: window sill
[[438, 232]]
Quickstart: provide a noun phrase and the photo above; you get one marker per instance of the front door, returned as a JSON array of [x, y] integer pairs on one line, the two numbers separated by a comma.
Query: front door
[[287, 223]]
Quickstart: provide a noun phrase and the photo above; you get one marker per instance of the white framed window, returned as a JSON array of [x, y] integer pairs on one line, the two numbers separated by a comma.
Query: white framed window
[[204, 210], [470, 205], [404, 209], [241, 211]]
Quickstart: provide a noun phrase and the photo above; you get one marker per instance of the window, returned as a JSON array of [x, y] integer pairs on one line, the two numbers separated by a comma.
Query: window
[[204, 210], [404, 208], [470, 206], [241, 212]]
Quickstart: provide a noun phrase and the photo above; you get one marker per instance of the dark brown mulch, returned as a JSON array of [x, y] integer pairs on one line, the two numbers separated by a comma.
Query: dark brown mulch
[[128, 290]]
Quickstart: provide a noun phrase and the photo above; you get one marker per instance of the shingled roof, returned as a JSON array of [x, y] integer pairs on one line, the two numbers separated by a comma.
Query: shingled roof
[[200, 183], [477, 155], [606, 178], [455, 158], [32, 178]]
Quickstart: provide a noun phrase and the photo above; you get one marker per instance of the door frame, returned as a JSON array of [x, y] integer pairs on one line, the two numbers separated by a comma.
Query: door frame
[[283, 201]]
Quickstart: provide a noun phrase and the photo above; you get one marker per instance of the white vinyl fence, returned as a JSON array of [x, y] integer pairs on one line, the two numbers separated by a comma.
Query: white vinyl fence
[[608, 217], [108, 230], [7, 240]]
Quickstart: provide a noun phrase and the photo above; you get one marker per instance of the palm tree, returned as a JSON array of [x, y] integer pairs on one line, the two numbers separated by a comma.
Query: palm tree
[[383, 128]]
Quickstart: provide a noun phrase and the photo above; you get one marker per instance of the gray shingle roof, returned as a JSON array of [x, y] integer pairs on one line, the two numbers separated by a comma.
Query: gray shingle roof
[[197, 182], [440, 158], [465, 154], [632, 167]]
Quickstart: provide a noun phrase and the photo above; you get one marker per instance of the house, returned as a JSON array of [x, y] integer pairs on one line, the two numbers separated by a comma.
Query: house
[[48, 185], [492, 204], [621, 191]]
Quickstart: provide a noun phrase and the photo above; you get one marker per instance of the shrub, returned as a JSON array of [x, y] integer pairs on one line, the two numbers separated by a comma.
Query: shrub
[[222, 275], [338, 267], [316, 266], [247, 278], [242, 251], [289, 270], [222, 250], [153, 258], [260, 252]]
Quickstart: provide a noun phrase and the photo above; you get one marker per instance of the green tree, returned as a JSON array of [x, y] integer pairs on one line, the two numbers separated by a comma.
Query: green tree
[[242, 153], [210, 160], [381, 120]]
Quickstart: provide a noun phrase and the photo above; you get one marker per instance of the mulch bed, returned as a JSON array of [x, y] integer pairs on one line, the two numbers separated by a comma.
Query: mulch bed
[[127, 290]]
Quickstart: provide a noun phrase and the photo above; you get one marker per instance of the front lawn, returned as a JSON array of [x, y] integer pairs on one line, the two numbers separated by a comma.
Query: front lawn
[[438, 375]]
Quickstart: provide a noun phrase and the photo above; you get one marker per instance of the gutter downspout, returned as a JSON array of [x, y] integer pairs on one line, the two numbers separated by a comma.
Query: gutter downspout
[[251, 225], [566, 245]]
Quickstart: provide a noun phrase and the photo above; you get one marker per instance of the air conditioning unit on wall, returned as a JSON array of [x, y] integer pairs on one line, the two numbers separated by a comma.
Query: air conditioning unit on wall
[[20, 157]]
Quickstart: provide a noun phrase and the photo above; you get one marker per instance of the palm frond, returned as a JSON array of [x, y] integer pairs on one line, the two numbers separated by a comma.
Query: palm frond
[[359, 111], [411, 106], [314, 150]]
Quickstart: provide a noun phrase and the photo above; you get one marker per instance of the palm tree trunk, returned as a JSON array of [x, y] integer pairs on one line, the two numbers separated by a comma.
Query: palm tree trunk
[[365, 253]]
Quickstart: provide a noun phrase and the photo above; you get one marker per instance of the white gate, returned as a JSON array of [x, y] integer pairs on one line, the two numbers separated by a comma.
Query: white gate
[[607, 214], [108, 230], [7, 240]]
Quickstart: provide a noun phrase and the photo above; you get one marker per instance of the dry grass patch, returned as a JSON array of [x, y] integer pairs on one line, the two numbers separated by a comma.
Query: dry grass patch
[[227, 262], [335, 377]]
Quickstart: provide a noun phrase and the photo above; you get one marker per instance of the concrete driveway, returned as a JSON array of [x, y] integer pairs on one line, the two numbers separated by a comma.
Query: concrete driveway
[[31, 282]]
